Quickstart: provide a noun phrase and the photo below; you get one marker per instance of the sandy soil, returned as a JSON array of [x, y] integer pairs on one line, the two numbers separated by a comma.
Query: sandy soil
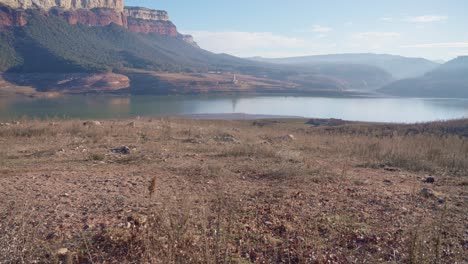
[[229, 192]]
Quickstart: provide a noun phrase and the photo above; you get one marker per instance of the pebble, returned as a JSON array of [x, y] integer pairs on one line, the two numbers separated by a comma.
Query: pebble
[[62, 251], [429, 179]]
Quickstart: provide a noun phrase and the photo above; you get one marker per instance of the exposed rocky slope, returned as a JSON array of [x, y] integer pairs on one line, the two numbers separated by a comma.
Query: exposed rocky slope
[[93, 13]]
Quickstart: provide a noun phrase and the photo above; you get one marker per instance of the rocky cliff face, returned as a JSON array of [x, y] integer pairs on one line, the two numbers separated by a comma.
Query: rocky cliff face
[[144, 20], [95, 17], [94, 13], [146, 14], [10, 17], [117, 5]]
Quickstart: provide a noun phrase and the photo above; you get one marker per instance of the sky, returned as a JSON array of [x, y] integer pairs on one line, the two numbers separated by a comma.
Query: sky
[[433, 29]]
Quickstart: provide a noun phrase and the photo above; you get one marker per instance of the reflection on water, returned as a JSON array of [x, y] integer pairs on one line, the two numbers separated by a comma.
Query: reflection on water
[[363, 109]]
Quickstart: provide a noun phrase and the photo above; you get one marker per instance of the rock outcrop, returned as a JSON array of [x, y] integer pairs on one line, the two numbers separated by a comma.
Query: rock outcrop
[[10, 17], [94, 13], [144, 20], [146, 13], [166, 28], [94, 17], [117, 5]]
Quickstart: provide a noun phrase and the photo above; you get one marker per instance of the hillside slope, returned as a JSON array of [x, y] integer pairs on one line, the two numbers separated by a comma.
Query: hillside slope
[[49, 46], [48, 50], [448, 80], [399, 67]]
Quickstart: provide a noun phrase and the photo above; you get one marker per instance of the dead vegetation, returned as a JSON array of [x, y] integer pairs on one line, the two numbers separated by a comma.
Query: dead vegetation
[[197, 191]]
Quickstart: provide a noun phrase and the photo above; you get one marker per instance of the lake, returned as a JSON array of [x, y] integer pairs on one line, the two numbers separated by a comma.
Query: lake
[[358, 109]]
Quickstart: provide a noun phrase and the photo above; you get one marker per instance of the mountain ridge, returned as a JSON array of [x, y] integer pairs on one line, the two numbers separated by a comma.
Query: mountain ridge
[[448, 80], [394, 64]]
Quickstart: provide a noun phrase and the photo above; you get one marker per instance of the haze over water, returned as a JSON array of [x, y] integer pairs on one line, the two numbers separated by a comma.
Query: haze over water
[[359, 109]]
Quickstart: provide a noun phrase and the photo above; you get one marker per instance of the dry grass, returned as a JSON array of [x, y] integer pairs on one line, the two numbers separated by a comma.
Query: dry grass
[[195, 191]]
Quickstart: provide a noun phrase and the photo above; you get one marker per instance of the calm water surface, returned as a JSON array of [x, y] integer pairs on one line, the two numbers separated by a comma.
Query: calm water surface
[[361, 109]]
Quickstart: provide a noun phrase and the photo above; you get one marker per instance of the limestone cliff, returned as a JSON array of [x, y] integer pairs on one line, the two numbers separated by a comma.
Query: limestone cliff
[[94, 13], [10, 17], [146, 13], [117, 5], [94, 17]]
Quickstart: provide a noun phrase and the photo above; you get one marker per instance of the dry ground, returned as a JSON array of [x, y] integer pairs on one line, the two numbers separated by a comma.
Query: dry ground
[[199, 191]]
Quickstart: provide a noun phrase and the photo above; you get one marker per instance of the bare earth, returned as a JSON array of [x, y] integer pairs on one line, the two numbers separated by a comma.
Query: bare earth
[[206, 191]]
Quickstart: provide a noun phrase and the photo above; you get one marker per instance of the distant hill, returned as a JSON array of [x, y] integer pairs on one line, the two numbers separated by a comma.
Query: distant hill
[[48, 44], [448, 80], [399, 67], [139, 50]]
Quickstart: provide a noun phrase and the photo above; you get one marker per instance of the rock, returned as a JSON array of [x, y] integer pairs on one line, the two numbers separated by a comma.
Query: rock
[[122, 150], [165, 28], [137, 220], [427, 193], [94, 17], [288, 137], [430, 179], [92, 123], [62, 251], [391, 169], [146, 13], [117, 5], [387, 182]]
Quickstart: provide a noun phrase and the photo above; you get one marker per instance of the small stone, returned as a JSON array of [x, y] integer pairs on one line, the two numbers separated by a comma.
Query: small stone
[[62, 251], [427, 193], [387, 182], [392, 169], [288, 137], [122, 150], [429, 179], [92, 123]]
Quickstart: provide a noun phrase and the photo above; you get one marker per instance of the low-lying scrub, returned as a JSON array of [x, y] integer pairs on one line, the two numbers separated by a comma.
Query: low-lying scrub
[[199, 191]]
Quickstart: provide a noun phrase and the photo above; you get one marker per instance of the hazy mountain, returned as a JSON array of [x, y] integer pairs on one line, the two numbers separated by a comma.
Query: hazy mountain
[[32, 52], [51, 49], [448, 80], [398, 66]]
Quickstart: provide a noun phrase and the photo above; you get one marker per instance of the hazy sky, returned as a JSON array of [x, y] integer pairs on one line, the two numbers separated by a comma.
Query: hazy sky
[[435, 29]]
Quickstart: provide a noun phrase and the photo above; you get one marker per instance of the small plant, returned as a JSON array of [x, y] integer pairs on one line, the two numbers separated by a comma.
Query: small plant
[[152, 187], [96, 157]]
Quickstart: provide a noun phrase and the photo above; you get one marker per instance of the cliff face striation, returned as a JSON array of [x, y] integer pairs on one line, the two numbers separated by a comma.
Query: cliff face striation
[[144, 20], [91, 18], [94, 13], [117, 5], [146, 13]]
